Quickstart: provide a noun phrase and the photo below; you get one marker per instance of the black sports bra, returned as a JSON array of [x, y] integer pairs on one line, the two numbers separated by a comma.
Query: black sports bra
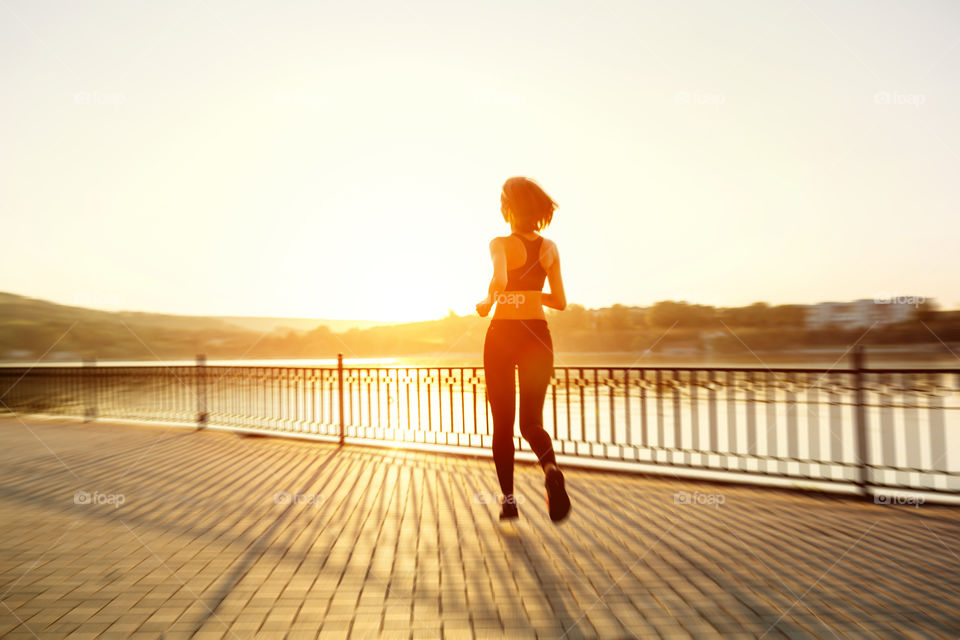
[[530, 275]]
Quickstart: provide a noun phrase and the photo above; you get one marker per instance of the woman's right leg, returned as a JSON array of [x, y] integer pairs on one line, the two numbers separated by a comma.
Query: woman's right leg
[[498, 369], [535, 364]]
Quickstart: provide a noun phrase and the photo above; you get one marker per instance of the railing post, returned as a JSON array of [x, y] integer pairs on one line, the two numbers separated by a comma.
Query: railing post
[[89, 378], [860, 412], [201, 383], [340, 392]]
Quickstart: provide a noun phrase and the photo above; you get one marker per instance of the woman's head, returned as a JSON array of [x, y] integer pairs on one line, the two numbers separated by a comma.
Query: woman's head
[[525, 205]]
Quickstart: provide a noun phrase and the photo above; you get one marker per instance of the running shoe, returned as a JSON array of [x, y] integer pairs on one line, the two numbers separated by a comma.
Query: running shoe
[[508, 508], [558, 502]]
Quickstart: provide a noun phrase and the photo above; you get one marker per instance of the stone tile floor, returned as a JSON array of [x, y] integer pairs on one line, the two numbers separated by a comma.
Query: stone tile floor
[[113, 531]]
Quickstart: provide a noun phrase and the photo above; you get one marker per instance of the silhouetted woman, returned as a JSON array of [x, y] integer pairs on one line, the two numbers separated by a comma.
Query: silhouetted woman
[[518, 338]]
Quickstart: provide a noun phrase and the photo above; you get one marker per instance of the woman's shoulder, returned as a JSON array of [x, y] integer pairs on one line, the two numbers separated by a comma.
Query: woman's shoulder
[[548, 245], [502, 240], [499, 244], [548, 253]]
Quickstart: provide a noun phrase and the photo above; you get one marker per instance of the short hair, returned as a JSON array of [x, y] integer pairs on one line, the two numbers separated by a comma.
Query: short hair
[[523, 201]]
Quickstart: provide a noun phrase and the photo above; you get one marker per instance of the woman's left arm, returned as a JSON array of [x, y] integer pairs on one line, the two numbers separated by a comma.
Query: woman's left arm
[[557, 298]]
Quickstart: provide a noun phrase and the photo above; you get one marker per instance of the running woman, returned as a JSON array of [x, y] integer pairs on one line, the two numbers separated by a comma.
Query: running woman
[[518, 338]]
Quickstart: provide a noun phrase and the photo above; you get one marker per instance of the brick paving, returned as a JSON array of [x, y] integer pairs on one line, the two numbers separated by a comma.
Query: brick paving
[[208, 534]]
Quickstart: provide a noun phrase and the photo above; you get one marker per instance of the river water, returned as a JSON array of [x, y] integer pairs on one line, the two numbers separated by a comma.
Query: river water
[[797, 424]]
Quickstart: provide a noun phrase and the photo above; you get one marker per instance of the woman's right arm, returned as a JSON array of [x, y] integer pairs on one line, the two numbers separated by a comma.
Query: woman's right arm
[[557, 298], [499, 280]]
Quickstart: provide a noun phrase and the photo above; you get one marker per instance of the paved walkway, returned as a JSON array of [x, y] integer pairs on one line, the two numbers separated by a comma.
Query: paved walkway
[[117, 531]]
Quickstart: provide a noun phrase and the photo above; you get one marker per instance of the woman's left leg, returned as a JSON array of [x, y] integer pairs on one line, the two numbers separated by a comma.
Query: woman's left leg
[[498, 367], [535, 367]]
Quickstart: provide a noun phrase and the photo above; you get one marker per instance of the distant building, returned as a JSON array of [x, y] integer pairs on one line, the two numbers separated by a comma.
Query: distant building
[[863, 313]]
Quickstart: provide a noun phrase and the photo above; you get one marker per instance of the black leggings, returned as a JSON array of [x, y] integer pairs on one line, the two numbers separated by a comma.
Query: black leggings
[[525, 345]]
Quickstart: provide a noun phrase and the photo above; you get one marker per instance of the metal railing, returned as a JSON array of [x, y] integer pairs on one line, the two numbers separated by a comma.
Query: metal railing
[[884, 428]]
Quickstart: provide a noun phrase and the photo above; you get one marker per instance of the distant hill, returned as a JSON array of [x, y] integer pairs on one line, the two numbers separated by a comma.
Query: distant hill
[[25, 309], [30, 327], [261, 324], [33, 329]]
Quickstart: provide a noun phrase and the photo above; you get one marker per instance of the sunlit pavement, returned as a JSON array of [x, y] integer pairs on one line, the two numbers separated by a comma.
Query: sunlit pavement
[[115, 531]]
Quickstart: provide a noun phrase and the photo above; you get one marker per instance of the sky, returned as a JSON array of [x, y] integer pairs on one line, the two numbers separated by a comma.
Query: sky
[[344, 160]]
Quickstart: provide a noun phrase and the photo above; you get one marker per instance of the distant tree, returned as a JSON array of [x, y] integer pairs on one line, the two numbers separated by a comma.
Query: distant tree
[[787, 315], [665, 313], [615, 318], [755, 315], [574, 318], [927, 311], [319, 340], [668, 313]]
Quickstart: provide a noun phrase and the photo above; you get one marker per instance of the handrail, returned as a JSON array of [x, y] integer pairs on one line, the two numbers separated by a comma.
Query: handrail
[[875, 428]]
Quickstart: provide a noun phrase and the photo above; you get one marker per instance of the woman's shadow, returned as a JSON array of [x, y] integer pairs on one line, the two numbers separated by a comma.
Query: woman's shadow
[[530, 554]]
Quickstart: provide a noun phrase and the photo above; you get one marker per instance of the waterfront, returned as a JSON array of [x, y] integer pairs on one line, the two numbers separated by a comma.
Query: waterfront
[[892, 427]]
